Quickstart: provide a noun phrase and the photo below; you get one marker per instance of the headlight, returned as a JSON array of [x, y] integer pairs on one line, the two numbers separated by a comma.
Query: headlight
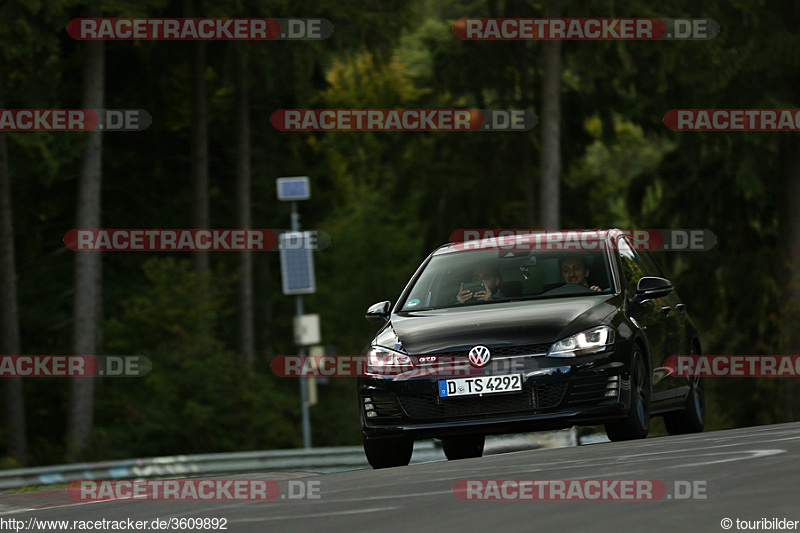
[[380, 360], [586, 342]]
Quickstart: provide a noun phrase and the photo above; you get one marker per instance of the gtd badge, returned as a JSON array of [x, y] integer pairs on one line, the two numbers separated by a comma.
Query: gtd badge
[[479, 356]]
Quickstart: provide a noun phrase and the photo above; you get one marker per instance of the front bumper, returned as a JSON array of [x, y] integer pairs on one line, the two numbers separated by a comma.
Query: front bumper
[[556, 393]]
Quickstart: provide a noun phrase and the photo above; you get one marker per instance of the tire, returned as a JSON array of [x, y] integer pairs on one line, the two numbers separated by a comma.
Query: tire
[[388, 453], [692, 419], [463, 447], [636, 424]]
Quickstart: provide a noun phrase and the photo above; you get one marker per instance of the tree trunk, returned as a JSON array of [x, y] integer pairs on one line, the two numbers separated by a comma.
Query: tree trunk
[[13, 400], [790, 226], [549, 200], [87, 264], [246, 332], [265, 268], [525, 140], [200, 150]]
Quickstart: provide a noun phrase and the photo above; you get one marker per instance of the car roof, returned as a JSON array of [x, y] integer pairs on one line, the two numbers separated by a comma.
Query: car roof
[[527, 240]]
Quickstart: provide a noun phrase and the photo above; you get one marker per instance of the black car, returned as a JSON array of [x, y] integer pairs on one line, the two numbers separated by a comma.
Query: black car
[[488, 339]]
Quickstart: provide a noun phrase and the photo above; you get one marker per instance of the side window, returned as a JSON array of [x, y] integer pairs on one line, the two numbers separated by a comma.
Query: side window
[[631, 266], [650, 265]]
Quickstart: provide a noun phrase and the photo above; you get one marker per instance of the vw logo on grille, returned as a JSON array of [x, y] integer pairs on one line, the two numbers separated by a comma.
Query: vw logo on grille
[[479, 356]]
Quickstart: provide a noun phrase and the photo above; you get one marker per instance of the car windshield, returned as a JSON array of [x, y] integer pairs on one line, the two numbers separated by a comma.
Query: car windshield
[[481, 277]]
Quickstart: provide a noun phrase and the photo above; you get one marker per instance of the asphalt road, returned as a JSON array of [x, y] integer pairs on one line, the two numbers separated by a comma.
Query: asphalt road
[[747, 473]]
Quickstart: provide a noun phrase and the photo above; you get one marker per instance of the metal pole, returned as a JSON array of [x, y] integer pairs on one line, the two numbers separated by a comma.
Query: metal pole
[[304, 388], [301, 351]]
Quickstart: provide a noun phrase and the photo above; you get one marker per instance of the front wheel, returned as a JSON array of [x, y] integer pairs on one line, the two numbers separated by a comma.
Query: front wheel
[[693, 418], [388, 453], [463, 447], [637, 422]]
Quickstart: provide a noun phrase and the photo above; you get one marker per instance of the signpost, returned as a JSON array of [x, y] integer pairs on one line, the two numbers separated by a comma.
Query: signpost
[[297, 274]]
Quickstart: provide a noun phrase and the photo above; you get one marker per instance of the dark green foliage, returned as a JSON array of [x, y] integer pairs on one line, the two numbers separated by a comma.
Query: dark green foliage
[[198, 397], [386, 199]]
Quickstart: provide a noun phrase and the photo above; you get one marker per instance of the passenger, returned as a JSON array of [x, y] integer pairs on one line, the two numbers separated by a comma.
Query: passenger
[[574, 272]]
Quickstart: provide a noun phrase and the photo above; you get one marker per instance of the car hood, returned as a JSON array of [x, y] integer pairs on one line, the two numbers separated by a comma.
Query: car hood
[[508, 323]]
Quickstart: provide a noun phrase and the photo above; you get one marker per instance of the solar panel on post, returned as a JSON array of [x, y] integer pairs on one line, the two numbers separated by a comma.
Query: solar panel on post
[[297, 263]]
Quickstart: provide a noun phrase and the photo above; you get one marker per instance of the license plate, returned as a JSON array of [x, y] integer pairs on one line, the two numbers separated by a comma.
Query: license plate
[[479, 385]]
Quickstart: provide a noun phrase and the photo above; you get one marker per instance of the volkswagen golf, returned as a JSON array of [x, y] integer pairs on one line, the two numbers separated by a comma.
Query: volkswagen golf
[[491, 338]]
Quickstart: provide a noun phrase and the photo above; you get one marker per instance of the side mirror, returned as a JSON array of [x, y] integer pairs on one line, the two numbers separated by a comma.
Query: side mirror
[[650, 287], [378, 313]]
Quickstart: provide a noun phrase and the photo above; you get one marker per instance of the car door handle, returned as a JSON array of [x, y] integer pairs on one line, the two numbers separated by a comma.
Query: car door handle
[[681, 308], [666, 310]]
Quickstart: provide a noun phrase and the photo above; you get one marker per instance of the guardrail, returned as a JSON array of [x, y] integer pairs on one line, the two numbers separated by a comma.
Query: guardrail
[[320, 460], [314, 459]]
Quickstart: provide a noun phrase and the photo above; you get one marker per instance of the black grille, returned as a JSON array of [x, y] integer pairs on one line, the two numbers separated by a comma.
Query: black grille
[[501, 351], [422, 407], [549, 394], [591, 390]]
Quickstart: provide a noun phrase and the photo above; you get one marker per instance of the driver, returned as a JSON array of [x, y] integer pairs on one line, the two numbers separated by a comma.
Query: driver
[[490, 276], [574, 272]]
